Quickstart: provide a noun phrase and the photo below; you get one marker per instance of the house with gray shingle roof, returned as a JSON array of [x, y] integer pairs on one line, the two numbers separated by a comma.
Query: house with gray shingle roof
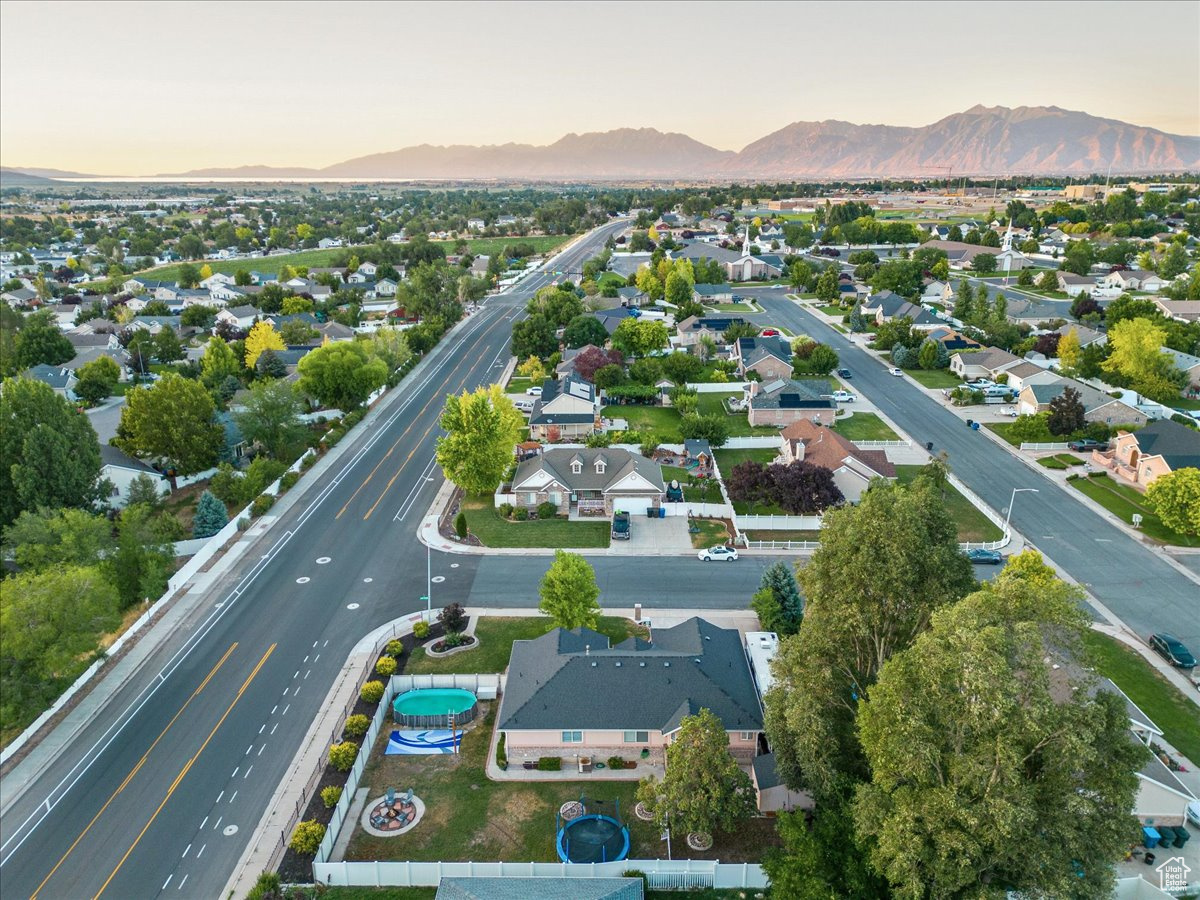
[[553, 888], [1097, 405], [573, 690], [589, 481], [568, 408], [784, 401], [770, 357]]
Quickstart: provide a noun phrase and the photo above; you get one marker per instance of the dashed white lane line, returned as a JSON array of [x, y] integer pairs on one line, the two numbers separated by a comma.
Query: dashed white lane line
[[185, 851], [247, 775], [182, 883], [168, 881], [205, 822]]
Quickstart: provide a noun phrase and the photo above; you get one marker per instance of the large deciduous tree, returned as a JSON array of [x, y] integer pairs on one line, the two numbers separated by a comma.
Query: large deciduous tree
[[262, 336], [569, 592], [52, 538], [341, 375], [271, 418], [1175, 499], [802, 488], [534, 336], [482, 429], [40, 341], [638, 337], [583, 330], [1066, 414], [171, 422], [97, 379]]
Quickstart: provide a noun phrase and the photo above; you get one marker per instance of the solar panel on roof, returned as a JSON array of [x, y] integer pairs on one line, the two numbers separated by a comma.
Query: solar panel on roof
[[789, 401]]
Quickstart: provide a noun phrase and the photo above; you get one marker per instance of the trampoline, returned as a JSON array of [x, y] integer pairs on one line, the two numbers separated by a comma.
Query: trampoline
[[596, 836]]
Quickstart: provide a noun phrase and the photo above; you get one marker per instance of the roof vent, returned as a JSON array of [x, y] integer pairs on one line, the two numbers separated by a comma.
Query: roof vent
[[666, 665], [707, 638], [593, 665], [642, 664], [618, 664], [696, 660]]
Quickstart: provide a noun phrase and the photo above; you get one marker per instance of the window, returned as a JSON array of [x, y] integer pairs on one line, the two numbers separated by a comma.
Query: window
[[599, 467], [637, 737], [577, 467], [572, 737], [746, 736]]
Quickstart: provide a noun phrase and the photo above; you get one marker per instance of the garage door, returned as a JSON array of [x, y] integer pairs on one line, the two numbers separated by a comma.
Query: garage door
[[635, 506]]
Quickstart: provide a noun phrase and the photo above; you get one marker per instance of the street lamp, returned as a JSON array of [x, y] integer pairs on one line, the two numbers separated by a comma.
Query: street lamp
[[1012, 500]]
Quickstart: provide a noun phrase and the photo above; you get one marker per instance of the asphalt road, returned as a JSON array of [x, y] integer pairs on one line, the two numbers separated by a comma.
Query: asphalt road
[[1135, 583]]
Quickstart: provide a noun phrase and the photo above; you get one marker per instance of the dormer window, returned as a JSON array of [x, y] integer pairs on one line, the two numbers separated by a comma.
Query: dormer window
[[576, 468], [600, 467]]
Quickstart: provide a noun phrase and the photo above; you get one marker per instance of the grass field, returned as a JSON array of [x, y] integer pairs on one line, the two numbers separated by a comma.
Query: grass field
[[739, 425], [496, 635], [696, 494], [1124, 502], [518, 384], [748, 308], [934, 378], [836, 311], [973, 525], [662, 421], [1060, 461], [1177, 716], [727, 459], [485, 523], [864, 426], [712, 532]]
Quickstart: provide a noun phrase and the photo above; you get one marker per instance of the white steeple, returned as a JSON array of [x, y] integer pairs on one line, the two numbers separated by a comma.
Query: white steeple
[[746, 241]]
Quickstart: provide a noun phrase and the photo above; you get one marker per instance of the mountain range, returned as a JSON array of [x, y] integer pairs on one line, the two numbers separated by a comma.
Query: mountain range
[[1028, 140]]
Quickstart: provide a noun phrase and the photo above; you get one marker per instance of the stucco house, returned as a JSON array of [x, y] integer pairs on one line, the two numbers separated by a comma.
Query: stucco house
[[1182, 310], [567, 409], [1024, 373], [61, 379], [783, 401], [121, 469], [712, 293], [770, 357], [691, 329], [1073, 285], [1140, 457], [1186, 363], [1097, 405], [573, 691], [986, 363], [589, 482], [853, 469], [1132, 280]]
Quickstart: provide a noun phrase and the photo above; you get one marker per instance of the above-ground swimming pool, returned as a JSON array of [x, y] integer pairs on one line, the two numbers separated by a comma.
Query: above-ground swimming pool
[[433, 707], [593, 839]]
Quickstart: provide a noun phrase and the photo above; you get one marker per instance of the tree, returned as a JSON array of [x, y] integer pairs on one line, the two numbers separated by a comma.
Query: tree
[[984, 263], [1069, 354], [533, 369], [1079, 258], [827, 286], [1066, 414], [40, 342], [584, 330], [211, 516], [1136, 352], [167, 347], [678, 289], [569, 592], [882, 569], [710, 427], [454, 618], [818, 860], [975, 741], [800, 274], [296, 332], [199, 316], [1174, 261], [145, 490], [342, 375], [53, 538], [704, 790], [556, 306], [819, 359], [262, 336], [803, 488], [750, 482], [1084, 306], [482, 429], [646, 370], [171, 422], [778, 603], [189, 276], [271, 418], [640, 337], [533, 336], [592, 359], [682, 367], [50, 453], [141, 561], [903, 276], [964, 299], [737, 330], [1175, 499], [1025, 278], [97, 379], [927, 356], [648, 283], [269, 366]]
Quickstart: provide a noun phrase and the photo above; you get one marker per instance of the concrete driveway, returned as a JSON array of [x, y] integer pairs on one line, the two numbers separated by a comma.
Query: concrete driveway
[[649, 537]]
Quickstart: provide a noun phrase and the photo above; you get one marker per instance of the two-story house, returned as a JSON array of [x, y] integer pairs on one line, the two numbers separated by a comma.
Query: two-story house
[[1141, 457], [568, 409], [770, 357]]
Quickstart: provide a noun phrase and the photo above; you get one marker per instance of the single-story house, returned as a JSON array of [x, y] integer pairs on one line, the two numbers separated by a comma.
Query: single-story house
[[631, 296], [572, 690], [19, 297], [784, 401], [1086, 336], [952, 340], [1141, 457], [985, 363], [1024, 373], [1186, 363], [121, 469], [853, 469], [612, 318], [1097, 405], [483, 887], [1132, 280], [589, 481], [567, 409], [1073, 285], [770, 357], [691, 329], [60, 378], [712, 293], [1181, 310]]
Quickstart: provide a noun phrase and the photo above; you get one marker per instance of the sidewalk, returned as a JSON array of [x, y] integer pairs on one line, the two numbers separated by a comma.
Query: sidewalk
[[1135, 642]]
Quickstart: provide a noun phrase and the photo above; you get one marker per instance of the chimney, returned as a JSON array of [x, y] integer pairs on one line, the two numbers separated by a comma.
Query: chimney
[[754, 388]]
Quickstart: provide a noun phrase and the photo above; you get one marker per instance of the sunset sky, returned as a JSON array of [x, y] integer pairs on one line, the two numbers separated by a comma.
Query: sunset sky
[[141, 88]]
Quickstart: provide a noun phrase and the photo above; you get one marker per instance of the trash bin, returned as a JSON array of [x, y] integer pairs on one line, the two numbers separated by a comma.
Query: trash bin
[[1150, 837], [1182, 835], [1166, 834], [974, 426], [662, 512], [970, 422], [1148, 859], [929, 446]]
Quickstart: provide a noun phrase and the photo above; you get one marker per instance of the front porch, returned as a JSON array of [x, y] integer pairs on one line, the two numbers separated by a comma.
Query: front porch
[[1107, 461]]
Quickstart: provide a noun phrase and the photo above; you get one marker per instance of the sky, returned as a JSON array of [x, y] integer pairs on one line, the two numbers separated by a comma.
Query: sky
[[119, 88]]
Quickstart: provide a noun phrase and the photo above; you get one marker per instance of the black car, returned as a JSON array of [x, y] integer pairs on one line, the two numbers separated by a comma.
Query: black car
[[1087, 445], [980, 556], [1172, 650], [843, 373]]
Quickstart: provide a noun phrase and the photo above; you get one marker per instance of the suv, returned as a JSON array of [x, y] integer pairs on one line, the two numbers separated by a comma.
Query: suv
[[620, 526], [1172, 650], [1086, 445]]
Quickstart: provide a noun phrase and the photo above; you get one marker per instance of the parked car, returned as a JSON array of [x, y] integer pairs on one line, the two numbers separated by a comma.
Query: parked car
[[525, 406], [982, 557], [620, 526], [1172, 650], [770, 332], [1086, 445], [843, 373], [844, 397], [726, 553], [1011, 412], [738, 298], [534, 391], [895, 371]]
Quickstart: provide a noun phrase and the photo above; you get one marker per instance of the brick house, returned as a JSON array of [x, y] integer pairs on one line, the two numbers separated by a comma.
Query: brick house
[[589, 481], [784, 401], [770, 357], [853, 469], [1097, 405]]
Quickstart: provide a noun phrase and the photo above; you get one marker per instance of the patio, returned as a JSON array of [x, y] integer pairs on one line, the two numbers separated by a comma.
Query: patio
[[517, 759]]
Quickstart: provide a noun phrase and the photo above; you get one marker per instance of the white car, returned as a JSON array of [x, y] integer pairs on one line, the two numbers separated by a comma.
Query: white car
[[534, 391], [727, 553], [895, 371], [1011, 412], [844, 397]]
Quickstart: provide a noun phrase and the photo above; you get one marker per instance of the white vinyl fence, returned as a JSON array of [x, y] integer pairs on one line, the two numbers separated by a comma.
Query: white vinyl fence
[[1044, 445], [717, 387], [759, 441], [778, 523]]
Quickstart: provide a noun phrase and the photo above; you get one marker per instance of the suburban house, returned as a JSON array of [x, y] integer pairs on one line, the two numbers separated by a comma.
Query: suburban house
[[61, 379], [986, 363], [121, 469], [952, 340], [1086, 336], [1186, 363], [1097, 405], [611, 319], [712, 293], [573, 690], [567, 409], [1140, 457], [960, 255], [1181, 310], [691, 329], [887, 306], [589, 482], [242, 317], [853, 469], [770, 357], [1132, 280], [784, 401], [631, 296], [1073, 285], [1025, 373]]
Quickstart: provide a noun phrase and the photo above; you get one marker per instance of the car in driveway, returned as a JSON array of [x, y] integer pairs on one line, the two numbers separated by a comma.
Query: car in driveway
[[844, 397], [1172, 650], [895, 371], [1087, 445], [534, 391], [981, 557], [725, 553]]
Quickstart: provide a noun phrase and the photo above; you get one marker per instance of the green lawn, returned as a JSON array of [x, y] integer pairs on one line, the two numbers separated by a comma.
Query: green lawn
[[518, 384], [485, 523], [543, 244], [468, 817], [727, 459], [864, 426], [1190, 403], [496, 635], [748, 307], [835, 311], [300, 892], [739, 425], [661, 420], [934, 378], [1174, 713], [712, 532], [1005, 430], [1060, 461], [1123, 502], [783, 535], [691, 494], [973, 525]]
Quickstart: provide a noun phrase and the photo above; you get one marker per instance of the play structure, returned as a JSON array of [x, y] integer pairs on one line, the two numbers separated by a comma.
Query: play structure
[[591, 831]]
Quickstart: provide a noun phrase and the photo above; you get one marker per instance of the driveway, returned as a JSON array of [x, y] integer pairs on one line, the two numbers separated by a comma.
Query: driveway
[[654, 537]]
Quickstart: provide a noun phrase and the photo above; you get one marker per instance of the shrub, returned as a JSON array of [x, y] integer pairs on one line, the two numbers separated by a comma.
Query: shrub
[[243, 523], [330, 796], [356, 726], [266, 887], [394, 648], [308, 462], [460, 524], [211, 516], [505, 510], [615, 762], [520, 514], [353, 418], [386, 666], [547, 510], [261, 504], [342, 756], [453, 617], [501, 752], [307, 837], [549, 763], [288, 481], [421, 630], [372, 692], [455, 639]]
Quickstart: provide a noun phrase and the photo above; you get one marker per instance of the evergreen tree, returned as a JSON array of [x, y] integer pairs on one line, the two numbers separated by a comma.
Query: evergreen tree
[[778, 603], [211, 516]]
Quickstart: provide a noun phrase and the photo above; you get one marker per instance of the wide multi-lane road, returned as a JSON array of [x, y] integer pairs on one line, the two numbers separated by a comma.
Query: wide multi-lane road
[[161, 789], [1136, 583]]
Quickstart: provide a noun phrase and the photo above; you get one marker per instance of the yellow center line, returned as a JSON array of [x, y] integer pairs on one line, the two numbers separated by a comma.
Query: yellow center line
[[186, 768], [141, 762]]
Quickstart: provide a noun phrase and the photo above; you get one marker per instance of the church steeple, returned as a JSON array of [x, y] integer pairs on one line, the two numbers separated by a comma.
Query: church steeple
[[746, 241]]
